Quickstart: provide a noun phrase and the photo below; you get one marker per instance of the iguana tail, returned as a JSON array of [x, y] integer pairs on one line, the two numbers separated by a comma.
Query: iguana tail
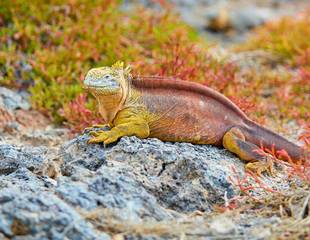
[[261, 136]]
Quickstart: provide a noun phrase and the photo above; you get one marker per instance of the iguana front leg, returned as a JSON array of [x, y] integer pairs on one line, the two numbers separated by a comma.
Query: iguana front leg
[[234, 141], [140, 130], [127, 123]]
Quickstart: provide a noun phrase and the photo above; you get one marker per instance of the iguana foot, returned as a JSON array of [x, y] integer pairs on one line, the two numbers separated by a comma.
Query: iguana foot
[[106, 137], [261, 166], [235, 141]]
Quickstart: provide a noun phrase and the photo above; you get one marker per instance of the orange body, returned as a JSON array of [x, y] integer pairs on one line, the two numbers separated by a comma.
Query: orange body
[[191, 112]]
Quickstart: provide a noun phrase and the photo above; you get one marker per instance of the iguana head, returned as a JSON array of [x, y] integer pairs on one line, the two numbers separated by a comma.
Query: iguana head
[[110, 86]]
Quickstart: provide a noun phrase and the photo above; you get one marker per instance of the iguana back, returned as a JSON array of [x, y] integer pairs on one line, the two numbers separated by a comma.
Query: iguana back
[[186, 111], [191, 112]]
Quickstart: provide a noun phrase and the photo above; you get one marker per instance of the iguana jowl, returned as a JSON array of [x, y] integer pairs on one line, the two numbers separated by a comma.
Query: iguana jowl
[[178, 111]]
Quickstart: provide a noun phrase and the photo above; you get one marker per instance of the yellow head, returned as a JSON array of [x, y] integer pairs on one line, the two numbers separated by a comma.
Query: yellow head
[[110, 86], [107, 80]]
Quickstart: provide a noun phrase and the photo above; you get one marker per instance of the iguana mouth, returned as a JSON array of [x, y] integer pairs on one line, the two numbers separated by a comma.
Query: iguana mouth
[[101, 90]]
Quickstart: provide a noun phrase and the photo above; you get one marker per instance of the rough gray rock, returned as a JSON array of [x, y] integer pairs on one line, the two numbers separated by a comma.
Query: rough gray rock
[[136, 179], [50, 136], [13, 158], [11, 100], [30, 215], [29, 209], [130, 182], [180, 176]]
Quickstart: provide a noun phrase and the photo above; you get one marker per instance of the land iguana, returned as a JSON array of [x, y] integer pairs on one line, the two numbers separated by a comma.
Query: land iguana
[[178, 111]]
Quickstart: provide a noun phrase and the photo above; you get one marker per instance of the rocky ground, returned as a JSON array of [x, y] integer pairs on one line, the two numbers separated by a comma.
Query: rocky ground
[[53, 185]]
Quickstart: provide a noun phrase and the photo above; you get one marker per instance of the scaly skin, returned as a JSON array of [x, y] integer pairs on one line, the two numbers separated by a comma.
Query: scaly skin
[[178, 111]]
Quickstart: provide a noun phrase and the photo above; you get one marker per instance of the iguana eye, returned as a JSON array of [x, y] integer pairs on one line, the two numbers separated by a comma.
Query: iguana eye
[[107, 77]]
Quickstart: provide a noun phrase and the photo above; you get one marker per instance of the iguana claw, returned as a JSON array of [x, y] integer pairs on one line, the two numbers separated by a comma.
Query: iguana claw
[[106, 137], [260, 167]]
